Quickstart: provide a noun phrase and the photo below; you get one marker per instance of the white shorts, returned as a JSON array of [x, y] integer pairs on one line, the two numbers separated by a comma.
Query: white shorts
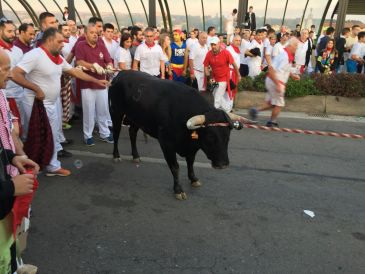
[[274, 97]]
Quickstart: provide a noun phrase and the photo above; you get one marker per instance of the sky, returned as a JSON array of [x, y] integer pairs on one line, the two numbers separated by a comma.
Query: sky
[[275, 7]]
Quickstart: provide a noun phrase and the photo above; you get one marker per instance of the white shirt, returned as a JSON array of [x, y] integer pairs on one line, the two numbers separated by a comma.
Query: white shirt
[[12, 89], [190, 42], [125, 57], [73, 40], [301, 53], [282, 68], [268, 51], [236, 56], [245, 44], [254, 63], [197, 54], [358, 49], [43, 72], [149, 58], [67, 47], [277, 49], [112, 47]]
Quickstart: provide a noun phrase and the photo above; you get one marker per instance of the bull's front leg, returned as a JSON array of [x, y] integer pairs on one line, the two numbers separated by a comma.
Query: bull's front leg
[[191, 174], [170, 157]]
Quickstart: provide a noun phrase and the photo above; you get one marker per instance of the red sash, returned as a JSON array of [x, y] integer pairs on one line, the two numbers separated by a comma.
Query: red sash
[[55, 59], [5, 45]]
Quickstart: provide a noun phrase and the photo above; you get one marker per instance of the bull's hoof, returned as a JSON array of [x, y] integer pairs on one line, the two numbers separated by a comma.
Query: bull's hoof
[[117, 160], [196, 184], [181, 196], [136, 160]]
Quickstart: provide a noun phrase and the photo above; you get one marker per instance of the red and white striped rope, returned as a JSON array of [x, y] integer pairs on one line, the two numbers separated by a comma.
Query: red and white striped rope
[[308, 132]]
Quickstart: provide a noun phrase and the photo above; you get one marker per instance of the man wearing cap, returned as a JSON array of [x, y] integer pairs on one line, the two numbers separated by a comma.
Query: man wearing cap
[[219, 61]]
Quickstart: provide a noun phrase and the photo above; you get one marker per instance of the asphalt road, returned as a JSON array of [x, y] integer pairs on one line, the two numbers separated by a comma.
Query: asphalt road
[[123, 218]]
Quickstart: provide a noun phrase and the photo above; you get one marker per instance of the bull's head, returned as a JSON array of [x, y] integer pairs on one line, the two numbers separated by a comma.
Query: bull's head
[[214, 129]]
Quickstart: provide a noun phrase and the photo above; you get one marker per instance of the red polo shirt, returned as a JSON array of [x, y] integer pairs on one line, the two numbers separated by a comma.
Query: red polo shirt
[[97, 54], [219, 64], [25, 48]]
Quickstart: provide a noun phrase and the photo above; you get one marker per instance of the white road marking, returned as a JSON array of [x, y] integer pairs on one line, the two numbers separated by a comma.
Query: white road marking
[[129, 158]]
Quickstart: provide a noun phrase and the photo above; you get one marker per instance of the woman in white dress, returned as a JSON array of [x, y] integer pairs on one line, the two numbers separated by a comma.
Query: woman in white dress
[[125, 58], [230, 24]]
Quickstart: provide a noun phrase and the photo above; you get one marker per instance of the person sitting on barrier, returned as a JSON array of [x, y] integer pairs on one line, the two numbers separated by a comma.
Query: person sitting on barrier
[[275, 83]]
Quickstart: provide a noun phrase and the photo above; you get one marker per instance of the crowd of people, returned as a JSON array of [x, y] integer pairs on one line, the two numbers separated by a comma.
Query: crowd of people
[[67, 68]]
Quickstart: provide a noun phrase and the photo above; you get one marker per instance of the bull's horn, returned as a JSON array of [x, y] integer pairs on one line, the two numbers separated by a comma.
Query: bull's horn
[[195, 122], [235, 117]]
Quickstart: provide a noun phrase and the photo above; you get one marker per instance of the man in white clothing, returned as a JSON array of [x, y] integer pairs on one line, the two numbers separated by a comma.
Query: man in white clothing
[[111, 45], [304, 51], [196, 61], [73, 32], [192, 40], [245, 44], [275, 83], [13, 92], [279, 46], [255, 59], [39, 72], [150, 57]]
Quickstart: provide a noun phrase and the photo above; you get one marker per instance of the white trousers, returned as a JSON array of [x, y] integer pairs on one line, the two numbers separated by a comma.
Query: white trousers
[[19, 103], [95, 107], [199, 75], [52, 113], [60, 135], [221, 98]]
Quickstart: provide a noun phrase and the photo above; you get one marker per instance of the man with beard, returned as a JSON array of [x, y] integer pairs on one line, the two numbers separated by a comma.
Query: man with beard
[[137, 37], [26, 36], [14, 93], [39, 72]]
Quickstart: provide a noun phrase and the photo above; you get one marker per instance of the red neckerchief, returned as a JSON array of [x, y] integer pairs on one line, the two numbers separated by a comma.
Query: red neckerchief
[[66, 40], [55, 59], [290, 55], [236, 49], [5, 45], [136, 43], [150, 45], [260, 42]]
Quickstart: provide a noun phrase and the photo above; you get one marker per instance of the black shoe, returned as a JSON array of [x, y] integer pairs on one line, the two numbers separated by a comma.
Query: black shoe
[[64, 154], [67, 142], [272, 124]]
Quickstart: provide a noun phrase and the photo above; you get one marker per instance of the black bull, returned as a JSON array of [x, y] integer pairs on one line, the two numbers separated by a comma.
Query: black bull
[[176, 115]]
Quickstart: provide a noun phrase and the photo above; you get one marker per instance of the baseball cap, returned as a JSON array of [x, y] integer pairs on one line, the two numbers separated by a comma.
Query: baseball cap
[[214, 40]]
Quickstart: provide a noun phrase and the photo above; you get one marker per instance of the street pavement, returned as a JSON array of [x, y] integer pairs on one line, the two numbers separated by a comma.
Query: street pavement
[[249, 218]]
